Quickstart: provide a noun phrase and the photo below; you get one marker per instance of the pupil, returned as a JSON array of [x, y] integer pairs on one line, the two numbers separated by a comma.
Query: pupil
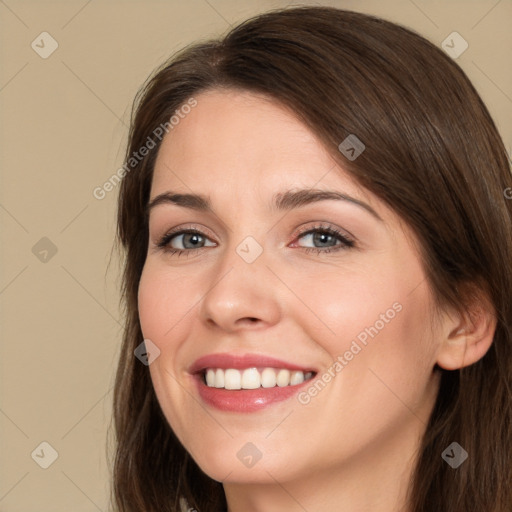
[[322, 238], [194, 238]]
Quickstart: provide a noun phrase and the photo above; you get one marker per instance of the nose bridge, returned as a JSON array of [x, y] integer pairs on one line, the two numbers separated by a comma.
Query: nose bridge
[[242, 287], [244, 245]]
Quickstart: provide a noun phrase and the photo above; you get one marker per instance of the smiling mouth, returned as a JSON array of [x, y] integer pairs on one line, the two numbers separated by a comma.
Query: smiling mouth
[[253, 378]]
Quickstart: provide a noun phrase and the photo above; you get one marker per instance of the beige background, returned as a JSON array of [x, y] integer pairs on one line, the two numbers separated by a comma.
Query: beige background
[[63, 130]]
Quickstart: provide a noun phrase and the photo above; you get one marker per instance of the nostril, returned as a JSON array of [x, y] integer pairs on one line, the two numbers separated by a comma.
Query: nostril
[[249, 319]]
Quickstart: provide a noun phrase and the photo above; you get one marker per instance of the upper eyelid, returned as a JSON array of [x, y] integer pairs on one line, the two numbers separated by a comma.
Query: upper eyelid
[[328, 228], [188, 227], [334, 231]]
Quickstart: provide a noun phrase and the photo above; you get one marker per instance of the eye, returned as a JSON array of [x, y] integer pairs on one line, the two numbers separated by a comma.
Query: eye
[[324, 239], [183, 241]]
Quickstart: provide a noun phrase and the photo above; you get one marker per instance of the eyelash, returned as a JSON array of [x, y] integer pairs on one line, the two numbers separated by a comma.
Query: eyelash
[[346, 242]]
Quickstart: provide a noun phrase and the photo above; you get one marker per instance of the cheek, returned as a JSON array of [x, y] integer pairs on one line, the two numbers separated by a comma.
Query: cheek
[[339, 306], [380, 325], [164, 299], [392, 371]]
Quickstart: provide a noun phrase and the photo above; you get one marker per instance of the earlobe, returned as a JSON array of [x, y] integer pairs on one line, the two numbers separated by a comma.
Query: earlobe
[[469, 340]]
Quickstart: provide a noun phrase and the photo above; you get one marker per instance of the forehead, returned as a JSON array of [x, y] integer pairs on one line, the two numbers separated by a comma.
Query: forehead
[[247, 143]]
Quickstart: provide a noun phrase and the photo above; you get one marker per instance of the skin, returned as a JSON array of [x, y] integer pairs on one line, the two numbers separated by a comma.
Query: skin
[[354, 443]]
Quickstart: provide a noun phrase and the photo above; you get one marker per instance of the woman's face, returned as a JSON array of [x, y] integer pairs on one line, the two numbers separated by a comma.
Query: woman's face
[[298, 283]]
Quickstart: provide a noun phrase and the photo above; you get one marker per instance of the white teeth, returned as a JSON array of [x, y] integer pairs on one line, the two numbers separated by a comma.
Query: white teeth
[[252, 378], [210, 377], [283, 378], [296, 378], [268, 378], [219, 378], [232, 379]]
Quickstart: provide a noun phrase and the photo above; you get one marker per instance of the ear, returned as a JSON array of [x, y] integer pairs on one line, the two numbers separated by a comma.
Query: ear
[[467, 336]]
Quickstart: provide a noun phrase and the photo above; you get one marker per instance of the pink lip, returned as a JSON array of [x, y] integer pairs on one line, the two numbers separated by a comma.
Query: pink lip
[[240, 362], [243, 400]]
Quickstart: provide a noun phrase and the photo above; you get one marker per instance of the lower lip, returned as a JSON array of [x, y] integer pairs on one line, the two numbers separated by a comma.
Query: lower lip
[[245, 400]]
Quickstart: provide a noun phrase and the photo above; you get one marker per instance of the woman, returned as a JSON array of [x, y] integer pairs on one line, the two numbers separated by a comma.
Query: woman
[[318, 250]]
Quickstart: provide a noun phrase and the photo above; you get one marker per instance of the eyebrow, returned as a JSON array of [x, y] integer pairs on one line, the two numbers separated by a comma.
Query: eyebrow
[[283, 201]]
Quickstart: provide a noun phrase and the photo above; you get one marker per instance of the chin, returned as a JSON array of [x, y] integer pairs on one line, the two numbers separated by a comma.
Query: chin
[[246, 465]]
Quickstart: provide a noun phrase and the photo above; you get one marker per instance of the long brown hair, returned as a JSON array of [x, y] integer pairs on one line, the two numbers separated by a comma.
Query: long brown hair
[[433, 154]]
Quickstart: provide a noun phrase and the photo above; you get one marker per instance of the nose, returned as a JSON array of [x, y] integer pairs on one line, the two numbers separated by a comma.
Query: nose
[[241, 295]]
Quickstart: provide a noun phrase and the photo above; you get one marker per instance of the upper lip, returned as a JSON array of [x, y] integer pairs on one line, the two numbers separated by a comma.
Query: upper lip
[[242, 361]]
